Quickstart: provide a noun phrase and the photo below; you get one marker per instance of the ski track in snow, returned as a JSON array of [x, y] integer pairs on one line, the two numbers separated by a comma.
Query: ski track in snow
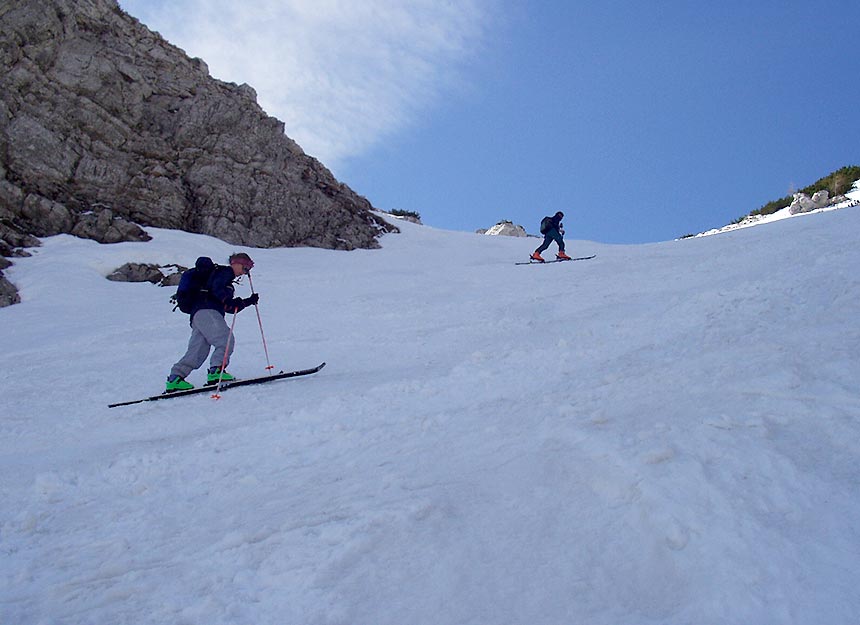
[[665, 434]]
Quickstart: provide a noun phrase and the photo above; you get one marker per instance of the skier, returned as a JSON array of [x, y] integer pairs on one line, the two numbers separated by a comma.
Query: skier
[[552, 230], [208, 327]]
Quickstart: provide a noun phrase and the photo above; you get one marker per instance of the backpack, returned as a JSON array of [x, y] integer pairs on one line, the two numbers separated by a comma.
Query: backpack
[[546, 225], [193, 285]]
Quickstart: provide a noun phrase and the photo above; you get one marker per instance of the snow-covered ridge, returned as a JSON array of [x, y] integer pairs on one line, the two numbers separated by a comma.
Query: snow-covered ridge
[[852, 199]]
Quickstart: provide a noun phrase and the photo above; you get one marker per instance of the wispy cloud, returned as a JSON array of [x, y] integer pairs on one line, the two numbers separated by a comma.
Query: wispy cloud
[[341, 74]]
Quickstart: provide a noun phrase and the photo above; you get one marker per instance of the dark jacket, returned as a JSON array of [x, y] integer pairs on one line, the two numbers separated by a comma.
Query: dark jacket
[[550, 223], [220, 294]]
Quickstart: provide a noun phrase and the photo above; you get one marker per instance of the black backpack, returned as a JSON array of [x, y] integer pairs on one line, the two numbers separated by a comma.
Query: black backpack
[[194, 285], [546, 225]]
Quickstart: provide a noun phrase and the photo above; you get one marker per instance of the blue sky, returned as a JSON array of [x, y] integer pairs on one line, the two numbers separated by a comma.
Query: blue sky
[[642, 121]]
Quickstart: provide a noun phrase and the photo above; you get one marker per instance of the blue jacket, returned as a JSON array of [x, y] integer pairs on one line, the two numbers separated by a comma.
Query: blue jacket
[[220, 294]]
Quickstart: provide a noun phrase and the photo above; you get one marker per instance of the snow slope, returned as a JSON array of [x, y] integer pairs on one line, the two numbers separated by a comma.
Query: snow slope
[[665, 434]]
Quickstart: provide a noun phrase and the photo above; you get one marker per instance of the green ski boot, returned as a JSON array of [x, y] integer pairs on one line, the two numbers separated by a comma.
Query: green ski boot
[[176, 383], [215, 376]]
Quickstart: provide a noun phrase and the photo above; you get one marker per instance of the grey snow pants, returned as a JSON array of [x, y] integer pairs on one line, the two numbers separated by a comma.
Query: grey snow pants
[[208, 329]]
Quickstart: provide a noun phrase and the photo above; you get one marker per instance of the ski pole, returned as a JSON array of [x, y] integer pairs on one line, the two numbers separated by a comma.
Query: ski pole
[[269, 366], [217, 393]]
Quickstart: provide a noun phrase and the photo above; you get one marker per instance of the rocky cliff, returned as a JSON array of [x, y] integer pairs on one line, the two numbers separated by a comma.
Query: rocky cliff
[[105, 125]]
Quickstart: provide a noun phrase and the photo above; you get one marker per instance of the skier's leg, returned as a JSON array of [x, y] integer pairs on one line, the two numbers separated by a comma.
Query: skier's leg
[[547, 239], [556, 235], [213, 326], [195, 355]]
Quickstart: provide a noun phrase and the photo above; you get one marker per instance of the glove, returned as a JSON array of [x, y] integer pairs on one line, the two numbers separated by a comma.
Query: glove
[[252, 301], [234, 305], [561, 231]]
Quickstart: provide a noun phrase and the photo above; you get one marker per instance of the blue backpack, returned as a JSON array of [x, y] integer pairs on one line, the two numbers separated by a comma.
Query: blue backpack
[[194, 285]]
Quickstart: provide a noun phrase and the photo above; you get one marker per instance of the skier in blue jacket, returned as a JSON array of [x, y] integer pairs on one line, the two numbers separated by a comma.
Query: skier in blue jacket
[[208, 327], [552, 230]]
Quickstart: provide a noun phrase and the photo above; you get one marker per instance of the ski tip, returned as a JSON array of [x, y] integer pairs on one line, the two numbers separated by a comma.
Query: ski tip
[[311, 370]]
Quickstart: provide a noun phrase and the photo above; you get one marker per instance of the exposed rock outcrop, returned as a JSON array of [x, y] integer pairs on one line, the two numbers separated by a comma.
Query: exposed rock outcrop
[[8, 292], [802, 203], [105, 125], [506, 228], [162, 275]]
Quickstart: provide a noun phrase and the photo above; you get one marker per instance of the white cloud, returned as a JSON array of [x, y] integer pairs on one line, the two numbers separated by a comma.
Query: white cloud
[[341, 74]]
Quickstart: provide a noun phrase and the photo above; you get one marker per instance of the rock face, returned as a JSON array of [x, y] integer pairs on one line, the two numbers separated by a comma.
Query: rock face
[[105, 125]]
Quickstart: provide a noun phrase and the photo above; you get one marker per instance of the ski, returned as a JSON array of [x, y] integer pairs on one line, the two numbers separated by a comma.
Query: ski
[[557, 260], [213, 388]]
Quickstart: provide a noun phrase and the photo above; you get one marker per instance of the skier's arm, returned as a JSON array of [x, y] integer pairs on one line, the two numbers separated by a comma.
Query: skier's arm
[[222, 290]]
